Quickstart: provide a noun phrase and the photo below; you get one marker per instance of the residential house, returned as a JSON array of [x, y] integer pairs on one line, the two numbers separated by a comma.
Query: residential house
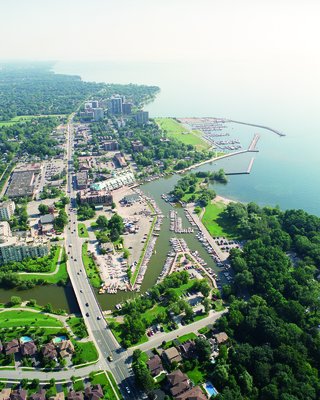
[[40, 395], [155, 365], [12, 347], [187, 349], [178, 382], [93, 392], [28, 349], [221, 337], [19, 394], [65, 348], [49, 351], [171, 355], [58, 396], [194, 393], [72, 395], [5, 394]]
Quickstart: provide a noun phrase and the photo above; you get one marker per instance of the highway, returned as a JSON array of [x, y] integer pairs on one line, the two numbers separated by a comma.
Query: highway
[[105, 342]]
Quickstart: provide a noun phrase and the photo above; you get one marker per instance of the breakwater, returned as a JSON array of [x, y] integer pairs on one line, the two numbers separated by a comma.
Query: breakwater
[[257, 126]]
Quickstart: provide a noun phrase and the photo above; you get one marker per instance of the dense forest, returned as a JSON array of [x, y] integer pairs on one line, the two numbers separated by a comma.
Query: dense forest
[[35, 90], [274, 315]]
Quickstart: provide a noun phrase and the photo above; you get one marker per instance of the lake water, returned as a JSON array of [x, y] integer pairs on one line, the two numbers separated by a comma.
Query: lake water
[[286, 171]]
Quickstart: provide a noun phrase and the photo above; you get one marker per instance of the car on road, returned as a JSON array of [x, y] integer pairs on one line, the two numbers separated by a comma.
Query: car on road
[[81, 291], [110, 358], [98, 317], [87, 314], [87, 304]]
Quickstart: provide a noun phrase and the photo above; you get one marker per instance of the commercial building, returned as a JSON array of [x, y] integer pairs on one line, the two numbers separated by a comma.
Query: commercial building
[[7, 210], [120, 160], [98, 114], [137, 145], [101, 196], [82, 180], [21, 184], [126, 108], [115, 105], [121, 179], [16, 249], [142, 117], [111, 145]]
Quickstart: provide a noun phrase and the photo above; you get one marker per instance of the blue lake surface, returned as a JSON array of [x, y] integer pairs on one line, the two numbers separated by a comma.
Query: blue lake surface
[[286, 171]]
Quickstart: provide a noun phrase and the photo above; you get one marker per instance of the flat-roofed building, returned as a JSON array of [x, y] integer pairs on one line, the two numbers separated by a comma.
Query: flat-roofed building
[[137, 145], [126, 108], [120, 179], [111, 145], [82, 179], [7, 210], [142, 117], [21, 184], [13, 249], [120, 160], [90, 196]]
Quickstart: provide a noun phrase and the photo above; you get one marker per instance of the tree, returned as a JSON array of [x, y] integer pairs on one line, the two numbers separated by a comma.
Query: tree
[[220, 375], [102, 222], [143, 376], [15, 300], [203, 349], [43, 209], [207, 304]]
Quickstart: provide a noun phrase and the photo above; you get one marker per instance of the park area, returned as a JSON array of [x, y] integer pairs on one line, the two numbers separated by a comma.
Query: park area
[[21, 318], [215, 222], [176, 130]]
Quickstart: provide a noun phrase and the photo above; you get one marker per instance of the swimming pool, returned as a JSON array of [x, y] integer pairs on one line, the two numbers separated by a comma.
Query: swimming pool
[[25, 339], [210, 389], [59, 339]]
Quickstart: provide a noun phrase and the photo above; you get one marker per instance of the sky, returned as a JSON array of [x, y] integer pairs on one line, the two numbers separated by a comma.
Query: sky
[[160, 30]]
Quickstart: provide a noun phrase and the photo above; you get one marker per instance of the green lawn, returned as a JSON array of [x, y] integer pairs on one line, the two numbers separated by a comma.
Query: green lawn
[[60, 275], [176, 130], [196, 375], [85, 352], [188, 336], [90, 267], [215, 223], [82, 230], [24, 118], [100, 378], [78, 327], [17, 318]]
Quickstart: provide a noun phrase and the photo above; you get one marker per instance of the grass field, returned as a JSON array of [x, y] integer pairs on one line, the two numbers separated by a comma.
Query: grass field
[[17, 318], [100, 378], [216, 224], [176, 130], [60, 275], [188, 336], [85, 352], [82, 230], [90, 267], [24, 118]]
